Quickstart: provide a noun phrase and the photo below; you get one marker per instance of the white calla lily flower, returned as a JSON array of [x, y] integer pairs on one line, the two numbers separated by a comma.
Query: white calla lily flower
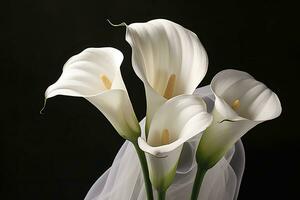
[[95, 75], [241, 102], [168, 58], [175, 122]]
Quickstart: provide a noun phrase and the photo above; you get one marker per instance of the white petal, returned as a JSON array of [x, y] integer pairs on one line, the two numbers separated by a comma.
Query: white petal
[[154, 101], [218, 138], [81, 73], [162, 170], [161, 48], [116, 107], [184, 117], [257, 103], [81, 77]]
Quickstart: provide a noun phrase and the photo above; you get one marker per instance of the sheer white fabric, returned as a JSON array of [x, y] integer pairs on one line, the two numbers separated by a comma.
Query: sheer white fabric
[[124, 179]]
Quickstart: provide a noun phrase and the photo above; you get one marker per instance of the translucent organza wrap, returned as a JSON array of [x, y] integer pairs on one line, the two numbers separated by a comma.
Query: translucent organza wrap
[[124, 179]]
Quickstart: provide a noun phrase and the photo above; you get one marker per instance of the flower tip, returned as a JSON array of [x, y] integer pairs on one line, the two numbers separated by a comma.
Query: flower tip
[[236, 104], [170, 87], [165, 137], [105, 81], [43, 108], [116, 25]]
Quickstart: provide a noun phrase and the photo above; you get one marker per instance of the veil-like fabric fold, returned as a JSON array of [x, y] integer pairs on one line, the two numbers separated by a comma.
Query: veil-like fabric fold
[[124, 179]]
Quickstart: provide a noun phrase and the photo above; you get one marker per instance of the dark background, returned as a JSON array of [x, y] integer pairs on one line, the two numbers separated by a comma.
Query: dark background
[[60, 154]]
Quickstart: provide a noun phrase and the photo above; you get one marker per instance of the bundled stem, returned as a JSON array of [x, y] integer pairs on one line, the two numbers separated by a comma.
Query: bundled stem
[[198, 182], [161, 195], [144, 167]]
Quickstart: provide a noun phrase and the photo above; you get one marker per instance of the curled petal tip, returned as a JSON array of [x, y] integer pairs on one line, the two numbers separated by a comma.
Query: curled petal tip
[[43, 108], [116, 25]]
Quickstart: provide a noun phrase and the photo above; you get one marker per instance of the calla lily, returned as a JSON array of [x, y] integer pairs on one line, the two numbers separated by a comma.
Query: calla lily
[[175, 122], [241, 102], [168, 58], [95, 75]]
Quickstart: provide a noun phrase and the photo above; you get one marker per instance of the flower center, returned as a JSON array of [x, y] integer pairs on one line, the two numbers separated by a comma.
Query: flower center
[[165, 137], [236, 104], [170, 87], [105, 81]]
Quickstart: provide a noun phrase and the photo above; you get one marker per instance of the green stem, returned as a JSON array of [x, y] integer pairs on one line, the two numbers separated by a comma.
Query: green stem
[[161, 195], [197, 183], [144, 166]]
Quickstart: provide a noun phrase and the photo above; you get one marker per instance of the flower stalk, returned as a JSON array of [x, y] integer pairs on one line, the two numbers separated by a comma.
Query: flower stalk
[[161, 194], [198, 182], [144, 166]]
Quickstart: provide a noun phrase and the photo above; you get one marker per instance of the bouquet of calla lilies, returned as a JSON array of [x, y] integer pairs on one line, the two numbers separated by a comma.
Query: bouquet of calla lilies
[[171, 62]]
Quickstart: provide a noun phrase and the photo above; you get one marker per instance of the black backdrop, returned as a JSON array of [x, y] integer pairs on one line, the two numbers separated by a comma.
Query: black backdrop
[[60, 154]]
